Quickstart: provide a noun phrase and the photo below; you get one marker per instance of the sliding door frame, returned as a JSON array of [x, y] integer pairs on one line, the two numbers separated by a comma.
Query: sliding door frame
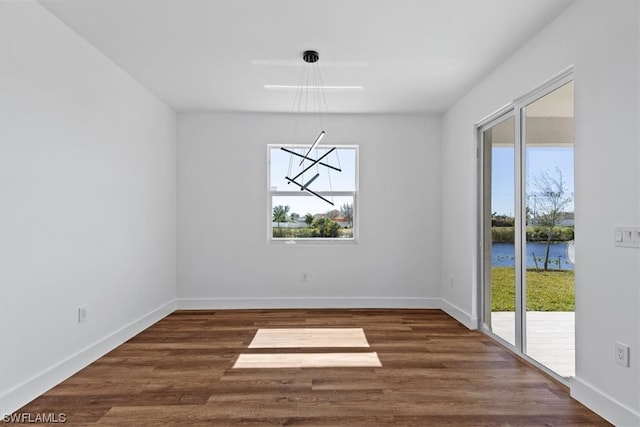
[[515, 109], [494, 119]]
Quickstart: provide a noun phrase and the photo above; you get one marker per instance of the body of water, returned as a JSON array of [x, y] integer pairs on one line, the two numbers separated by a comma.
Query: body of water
[[503, 255]]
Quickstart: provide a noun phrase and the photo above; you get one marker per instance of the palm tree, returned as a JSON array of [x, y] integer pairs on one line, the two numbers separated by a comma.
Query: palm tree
[[280, 215]]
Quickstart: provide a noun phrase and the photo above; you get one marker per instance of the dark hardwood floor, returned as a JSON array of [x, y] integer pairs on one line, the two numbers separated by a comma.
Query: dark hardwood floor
[[435, 372]]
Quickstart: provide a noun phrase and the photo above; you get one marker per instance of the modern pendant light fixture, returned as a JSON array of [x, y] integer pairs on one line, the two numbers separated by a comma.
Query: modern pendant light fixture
[[310, 91], [316, 142]]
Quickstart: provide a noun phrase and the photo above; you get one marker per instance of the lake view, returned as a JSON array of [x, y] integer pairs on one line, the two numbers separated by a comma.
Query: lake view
[[503, 255]]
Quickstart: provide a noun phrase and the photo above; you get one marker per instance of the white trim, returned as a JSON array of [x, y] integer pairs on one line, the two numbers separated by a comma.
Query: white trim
[[303, 194], [459, 314], [520, 224], [20, 395], [555, 82], [501, 114], [301, 302], [324, 241], [607, 407]]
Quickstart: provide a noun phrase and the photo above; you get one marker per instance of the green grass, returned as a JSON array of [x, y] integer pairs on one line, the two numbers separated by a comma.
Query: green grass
[[546, 290]]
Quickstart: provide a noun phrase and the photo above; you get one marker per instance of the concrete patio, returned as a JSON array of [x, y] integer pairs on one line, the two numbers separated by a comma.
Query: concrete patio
[[550, 337]]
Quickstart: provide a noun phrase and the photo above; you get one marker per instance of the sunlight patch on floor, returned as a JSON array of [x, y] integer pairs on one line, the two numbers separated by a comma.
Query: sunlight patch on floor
[[296, 338], [309, 337], [308, 360]]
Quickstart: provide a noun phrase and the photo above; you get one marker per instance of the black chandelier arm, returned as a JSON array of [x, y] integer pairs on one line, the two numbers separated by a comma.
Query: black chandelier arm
[[316, 142], [308, 183], [314, 163], [309, 158], [307, 190]]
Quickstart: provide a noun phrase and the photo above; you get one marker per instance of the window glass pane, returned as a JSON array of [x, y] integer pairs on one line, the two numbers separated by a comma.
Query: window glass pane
[[499, 229], [550, 283], [286, 164], [307, 216]]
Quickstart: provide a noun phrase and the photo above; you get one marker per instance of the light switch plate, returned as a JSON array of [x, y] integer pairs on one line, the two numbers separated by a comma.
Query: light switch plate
[[628, 237]]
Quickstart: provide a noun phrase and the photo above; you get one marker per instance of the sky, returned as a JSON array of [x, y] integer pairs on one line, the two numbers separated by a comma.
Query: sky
[[537, 160]]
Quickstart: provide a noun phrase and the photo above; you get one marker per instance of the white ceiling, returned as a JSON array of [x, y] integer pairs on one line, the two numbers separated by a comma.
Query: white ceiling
[[409, 56]]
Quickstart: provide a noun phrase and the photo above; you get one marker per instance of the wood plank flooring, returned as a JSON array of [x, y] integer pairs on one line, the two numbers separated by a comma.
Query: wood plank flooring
[[435, 372]]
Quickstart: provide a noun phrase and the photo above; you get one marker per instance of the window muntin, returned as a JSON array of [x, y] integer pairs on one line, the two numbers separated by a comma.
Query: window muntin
[[332, 224]]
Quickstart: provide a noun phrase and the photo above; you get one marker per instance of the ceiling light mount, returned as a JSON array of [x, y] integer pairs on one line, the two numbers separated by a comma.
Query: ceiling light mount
[[310, 56]]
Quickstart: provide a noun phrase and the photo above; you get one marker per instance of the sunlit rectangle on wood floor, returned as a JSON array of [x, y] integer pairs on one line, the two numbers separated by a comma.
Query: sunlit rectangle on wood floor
[[309, 337], [307, 360]]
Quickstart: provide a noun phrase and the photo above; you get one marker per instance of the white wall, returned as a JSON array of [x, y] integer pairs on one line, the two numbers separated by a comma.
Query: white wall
[[88, 207], [88, 204], [600, 39], [223, 256]]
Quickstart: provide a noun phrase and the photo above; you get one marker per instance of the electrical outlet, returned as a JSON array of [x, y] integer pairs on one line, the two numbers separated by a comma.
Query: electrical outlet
[[82, 314], [305, 277], [621, 354]]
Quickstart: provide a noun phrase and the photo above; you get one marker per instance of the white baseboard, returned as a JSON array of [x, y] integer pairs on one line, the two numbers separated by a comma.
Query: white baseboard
[[257, 303], [605, 406], [18, 396], [459, 314]]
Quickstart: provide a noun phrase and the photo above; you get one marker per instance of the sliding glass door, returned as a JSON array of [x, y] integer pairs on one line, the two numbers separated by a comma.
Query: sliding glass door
[[549, 214], [499, 206], [527, 229]]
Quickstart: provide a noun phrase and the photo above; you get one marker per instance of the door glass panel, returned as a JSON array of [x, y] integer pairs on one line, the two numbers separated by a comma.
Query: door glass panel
[[499, 229], [549, 280]]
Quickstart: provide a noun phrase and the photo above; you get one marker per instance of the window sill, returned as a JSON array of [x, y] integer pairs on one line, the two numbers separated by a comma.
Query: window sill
[[313, 242]]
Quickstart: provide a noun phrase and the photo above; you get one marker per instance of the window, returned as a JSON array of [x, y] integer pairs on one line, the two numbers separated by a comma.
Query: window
[[296, 216]]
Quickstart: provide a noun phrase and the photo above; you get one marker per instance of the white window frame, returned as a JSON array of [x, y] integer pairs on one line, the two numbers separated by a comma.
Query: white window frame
[[312, 241]]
